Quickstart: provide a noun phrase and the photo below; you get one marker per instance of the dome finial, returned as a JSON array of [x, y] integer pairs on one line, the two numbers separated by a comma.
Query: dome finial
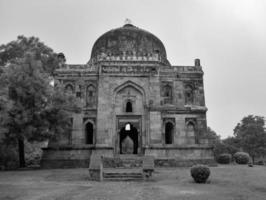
[[128, 21]]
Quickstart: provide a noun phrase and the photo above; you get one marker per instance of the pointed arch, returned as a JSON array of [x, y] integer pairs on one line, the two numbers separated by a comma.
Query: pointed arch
[[191, 131], [189, 94], [167, 91], [89, 128], [169, 130], [90, 95], [69, 88], [129, 106], [132, 84]]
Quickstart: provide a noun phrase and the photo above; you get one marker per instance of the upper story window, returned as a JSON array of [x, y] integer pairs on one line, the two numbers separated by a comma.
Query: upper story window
[[167, 91], [69, 89], [129, 107], [78, 92]]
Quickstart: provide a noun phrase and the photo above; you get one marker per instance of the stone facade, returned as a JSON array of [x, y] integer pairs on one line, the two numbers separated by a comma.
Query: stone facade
[[133, 101]]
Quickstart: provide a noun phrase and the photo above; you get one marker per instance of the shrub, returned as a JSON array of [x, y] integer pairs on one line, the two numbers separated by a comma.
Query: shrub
[[250, 164], [33, 152], [8, 157], [224, 158], [241, 158], [200, 173], [260, 162]]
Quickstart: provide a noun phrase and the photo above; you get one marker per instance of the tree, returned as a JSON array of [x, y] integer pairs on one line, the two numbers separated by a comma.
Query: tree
[[31, 108], [213, 135], [221, 146], [251, 135], [18, 49]]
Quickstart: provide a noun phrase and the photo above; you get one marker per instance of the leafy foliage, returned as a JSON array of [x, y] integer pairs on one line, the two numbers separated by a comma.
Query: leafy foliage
[[241, 158], [17, 50], [224, 158], [38, 110], [8, 156], [31, 108], [251, 134], [200, 173], [213, 136]]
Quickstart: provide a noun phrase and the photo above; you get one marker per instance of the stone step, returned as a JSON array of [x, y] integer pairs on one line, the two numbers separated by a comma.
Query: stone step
[[122, 175], [122, 162]]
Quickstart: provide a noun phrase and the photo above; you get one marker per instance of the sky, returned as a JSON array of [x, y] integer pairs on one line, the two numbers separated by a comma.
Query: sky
[[229, 36]]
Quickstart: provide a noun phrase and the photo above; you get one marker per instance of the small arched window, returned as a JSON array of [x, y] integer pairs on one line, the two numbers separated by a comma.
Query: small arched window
[[167, 91], [69, 89], [169, 130], [129, 107]]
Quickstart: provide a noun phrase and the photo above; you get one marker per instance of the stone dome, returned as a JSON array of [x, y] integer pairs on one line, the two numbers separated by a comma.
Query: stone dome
[[129, 40]]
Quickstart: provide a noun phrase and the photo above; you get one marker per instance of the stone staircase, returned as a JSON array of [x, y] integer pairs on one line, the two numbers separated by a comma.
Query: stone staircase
[[122, 168], [122, 175], [123, 161]]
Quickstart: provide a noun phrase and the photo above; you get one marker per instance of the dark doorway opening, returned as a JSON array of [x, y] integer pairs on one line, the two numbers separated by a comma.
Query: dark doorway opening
[[169, 133], [128, 140], [89, 133]]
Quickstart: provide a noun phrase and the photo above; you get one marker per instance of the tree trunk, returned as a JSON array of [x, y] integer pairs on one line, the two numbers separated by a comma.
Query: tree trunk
[[21, 153]]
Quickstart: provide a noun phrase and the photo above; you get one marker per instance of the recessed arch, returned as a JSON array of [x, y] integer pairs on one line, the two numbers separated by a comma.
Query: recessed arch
[[167, 91], [169, 132], [132, 84], [90, 95], [189, 94], [191, 131], [128, 137], [69, 88], [89, 128], [129, 107]]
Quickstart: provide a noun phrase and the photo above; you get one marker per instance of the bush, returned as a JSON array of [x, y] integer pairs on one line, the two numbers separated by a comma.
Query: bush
[[250, 164], [33, 152], [8, 157], [241, 158], [260, 162], [200, 173], [224, 158]]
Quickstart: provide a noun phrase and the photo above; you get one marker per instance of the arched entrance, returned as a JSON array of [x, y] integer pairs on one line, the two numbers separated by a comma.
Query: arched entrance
[[89, 133], [128, 139], [169, 133]]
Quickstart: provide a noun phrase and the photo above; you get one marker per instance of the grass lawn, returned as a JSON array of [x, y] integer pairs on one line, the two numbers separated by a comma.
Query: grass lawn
[[226, 182]]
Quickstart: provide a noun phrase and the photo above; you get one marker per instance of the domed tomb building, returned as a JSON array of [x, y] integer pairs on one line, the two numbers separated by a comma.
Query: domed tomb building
[[133, 102]]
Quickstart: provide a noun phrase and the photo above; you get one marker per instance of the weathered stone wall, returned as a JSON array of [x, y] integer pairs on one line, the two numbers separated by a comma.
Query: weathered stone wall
[[185, 152], [65, 157], [109, 106], [143, 86]]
